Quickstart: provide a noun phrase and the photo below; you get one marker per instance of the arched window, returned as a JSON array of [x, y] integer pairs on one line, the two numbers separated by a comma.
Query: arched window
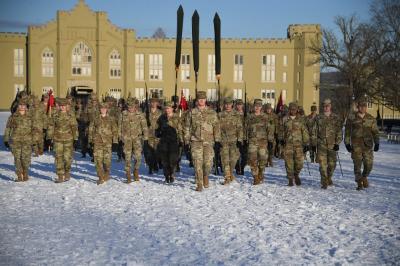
[[81, 60], [47, 62], [115, 64]]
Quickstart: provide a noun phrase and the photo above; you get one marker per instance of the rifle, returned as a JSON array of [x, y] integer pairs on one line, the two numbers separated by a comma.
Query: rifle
[[195, 45], [178, 50], [217, 42], [147, 110]]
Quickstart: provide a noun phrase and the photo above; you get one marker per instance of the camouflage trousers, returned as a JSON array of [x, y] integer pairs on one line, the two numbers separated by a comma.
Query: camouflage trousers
[[170, 154], [363, 157], [294, 159], [22, 156], [202, 156], [102, 154], [257, 156], [150, 153], [271, 153], [229, 156], [133, 146], [63, 156], [38, 144], [327, 162]]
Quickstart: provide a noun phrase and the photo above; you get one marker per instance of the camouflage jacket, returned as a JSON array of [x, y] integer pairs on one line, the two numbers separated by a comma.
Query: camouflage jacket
[[92, 110], [132, 126], [259, 128], [62, 127], [310, 121], [40, 118], [19, 128], [152, 122], [103, 130], [202, 125], [169, 130], [273, 118], [326, 130], [294, 131], [361, 130], [231, 124]]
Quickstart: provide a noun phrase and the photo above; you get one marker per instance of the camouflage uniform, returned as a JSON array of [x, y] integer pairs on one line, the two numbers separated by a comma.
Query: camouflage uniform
[[361, 134], [19, 131], [273, 119], [40, 121], [150, 150], [170, 132], [132, 129], [231, 139], [326, 135], [242, 161], [202, 130], [103, 132], [260, 135], [295, 138], [82, 117], [63, 130]]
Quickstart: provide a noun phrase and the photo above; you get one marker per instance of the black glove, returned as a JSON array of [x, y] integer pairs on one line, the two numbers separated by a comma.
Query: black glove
[[349, 148], [376, 147], [270, 146], [217, 145], [6, 144], [49, 142], [282, 142], [305, 148], [314, 148], [239, 144], [336, 147]]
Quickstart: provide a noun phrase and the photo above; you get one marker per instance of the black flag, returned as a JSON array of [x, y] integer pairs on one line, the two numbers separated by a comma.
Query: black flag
[[217, 34], [195, 42], [179, 27]]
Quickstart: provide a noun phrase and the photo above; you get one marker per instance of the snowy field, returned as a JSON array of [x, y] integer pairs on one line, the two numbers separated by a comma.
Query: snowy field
[[152, 223]]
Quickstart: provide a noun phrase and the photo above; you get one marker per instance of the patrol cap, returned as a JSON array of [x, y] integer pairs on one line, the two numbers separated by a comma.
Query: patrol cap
[[23, 101], [132, 102], [61, 101], [293, 105], [239, 101], [154, 97], [362, 101], [168, 104], [201, 95], [313, 108], [268, 106], [228, 100], [258, 102], [103, 105], [327, 101]]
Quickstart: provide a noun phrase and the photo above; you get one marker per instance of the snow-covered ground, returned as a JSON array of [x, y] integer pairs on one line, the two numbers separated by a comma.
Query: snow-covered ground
[[152, 223]]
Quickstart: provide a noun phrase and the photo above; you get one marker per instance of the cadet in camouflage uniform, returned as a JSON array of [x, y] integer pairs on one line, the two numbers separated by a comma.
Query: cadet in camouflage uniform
[[63, 131], [93, 111], [202, 131], [295, 139], [150, 150], [326, 135], [273, 119], [40, 121], [103, 132], [18, 131], [231, 138], [170, 132], [361, 136], [260, 135], [82, 117], [242, 161], [132, 129], [310, 124]]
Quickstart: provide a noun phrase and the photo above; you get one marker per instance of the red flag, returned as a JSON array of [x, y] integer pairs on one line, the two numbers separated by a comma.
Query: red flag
[[279, 106], [51, 101], [183, 103]]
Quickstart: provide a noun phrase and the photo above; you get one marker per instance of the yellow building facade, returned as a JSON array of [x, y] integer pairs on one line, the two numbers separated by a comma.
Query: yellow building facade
[[82, 51]]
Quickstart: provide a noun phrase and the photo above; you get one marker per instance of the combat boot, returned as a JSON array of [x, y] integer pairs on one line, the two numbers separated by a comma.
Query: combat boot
[[256, 180], [67, 176], [270, 163], [20, 177], [101, 180], [232, 176], [25, 176], [107, 174], [290, 184], [171, 178], [60, 179], [324, 185], [227, 180], [359, 185], [261, 175], [330, 182], [297, 180], [205, 182], [199, 187], [136, 175], [167, 179], [365, 182], [128, 176]]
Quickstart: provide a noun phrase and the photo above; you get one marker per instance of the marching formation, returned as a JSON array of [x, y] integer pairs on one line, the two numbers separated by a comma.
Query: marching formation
[[161, 131]]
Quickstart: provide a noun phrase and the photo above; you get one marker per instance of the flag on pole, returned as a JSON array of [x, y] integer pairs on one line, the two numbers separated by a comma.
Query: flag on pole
[[183, 105], [279, 106]]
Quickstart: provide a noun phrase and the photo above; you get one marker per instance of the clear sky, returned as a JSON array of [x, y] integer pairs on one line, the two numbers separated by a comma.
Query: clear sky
[[239, 18]]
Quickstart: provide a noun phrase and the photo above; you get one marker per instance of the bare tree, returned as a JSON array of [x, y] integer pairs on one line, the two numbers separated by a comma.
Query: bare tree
[[159, 34]]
